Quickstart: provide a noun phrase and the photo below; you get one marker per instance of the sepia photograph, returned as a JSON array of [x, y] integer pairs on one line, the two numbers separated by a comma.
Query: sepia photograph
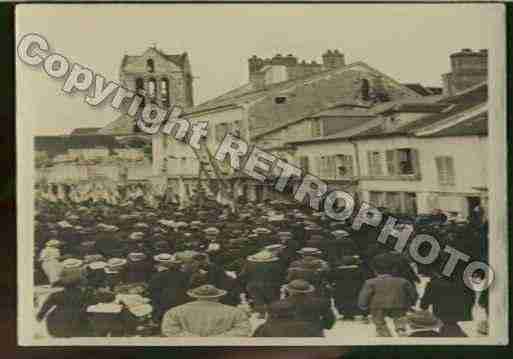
[[250, 174]]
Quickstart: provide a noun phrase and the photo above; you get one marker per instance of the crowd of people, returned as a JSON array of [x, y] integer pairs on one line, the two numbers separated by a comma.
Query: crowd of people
[[139, 266]]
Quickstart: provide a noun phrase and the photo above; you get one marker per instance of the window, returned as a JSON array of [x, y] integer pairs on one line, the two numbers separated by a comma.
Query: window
[[374, 158], [316, 128], [150, 65], [139, 85], [304, 164], [410, 203], [280, 100], [344, 165], [405, 161], [445, 168], [152, 88], [393, 201], [221, 130], [365, 90], [164, 91], [402, 162], [377, 199], [236, 128], [327, 167]]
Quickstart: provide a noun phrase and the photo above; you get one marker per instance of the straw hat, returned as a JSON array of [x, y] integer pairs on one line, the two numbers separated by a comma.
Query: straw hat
[[166, 258], [340, 234], [309, 251], [97, 265], [299, 286], [141, 225], [211, 231], [261, 230], [141, 310], [53, 243], [114, 265], [136, 236], [64, 224], [263, 257], [136, 256], [206, 291], [274, 247], [186, 256], [72, 263]]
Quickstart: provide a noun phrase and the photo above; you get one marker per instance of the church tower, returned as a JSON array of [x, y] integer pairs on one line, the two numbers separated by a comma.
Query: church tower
[[163, 79]]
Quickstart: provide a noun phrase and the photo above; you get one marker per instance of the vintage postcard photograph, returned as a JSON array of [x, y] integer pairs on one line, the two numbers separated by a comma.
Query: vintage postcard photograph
[[250, 174]]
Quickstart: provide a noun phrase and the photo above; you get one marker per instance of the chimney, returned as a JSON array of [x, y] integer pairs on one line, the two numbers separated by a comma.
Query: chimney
[[332, 59]]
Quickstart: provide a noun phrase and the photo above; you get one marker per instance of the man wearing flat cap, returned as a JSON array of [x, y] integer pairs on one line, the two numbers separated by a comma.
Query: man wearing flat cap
[[206, 317]]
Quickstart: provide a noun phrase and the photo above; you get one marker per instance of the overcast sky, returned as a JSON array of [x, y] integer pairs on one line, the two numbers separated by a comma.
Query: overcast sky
[[411, 43]]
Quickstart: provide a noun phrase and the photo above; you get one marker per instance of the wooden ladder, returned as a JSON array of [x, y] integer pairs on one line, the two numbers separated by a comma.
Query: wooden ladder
[[209, 167]]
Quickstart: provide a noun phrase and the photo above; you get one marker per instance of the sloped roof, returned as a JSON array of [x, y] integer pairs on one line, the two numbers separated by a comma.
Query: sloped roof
[[474, 126], [345, 110], [459, 103], [475, 97], [425, 104], [85, 131], [177, 59], [55, 145], [123, 125], [418, 88], [249, 92]]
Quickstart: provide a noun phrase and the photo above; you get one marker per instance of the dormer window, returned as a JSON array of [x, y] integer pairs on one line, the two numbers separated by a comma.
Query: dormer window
[[150, 65], [280, 100]]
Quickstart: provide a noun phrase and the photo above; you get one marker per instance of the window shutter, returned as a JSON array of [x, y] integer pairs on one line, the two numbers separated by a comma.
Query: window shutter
[[450, 170], [391, 162], [442, 172], [415, 161], [369, 163]]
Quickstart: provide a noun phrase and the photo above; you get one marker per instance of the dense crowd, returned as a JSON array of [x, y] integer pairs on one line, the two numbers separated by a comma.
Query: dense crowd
[[144, 266]]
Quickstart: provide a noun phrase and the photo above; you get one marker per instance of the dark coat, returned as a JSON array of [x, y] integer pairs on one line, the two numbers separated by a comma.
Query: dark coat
[[347, 282], [138, 271], [387, 292], [269, 272], [69, 318], [312, 309], [287, 328], [168, 289], [452, 301]]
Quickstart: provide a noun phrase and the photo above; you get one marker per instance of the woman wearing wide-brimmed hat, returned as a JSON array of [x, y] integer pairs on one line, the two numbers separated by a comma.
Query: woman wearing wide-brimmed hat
[[206, 316]]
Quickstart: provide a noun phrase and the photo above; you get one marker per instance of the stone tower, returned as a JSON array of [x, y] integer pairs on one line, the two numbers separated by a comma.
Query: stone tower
[[162, 79]]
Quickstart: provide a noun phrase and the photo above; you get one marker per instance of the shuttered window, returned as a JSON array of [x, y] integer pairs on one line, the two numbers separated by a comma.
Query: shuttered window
[[374, 159], [316, 128], [221, 131], [304, 163], [445, 168], [344, 166]]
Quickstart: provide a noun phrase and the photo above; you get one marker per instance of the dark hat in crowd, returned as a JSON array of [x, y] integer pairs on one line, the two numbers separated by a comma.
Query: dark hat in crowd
[[206, 291], [299, 286]]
